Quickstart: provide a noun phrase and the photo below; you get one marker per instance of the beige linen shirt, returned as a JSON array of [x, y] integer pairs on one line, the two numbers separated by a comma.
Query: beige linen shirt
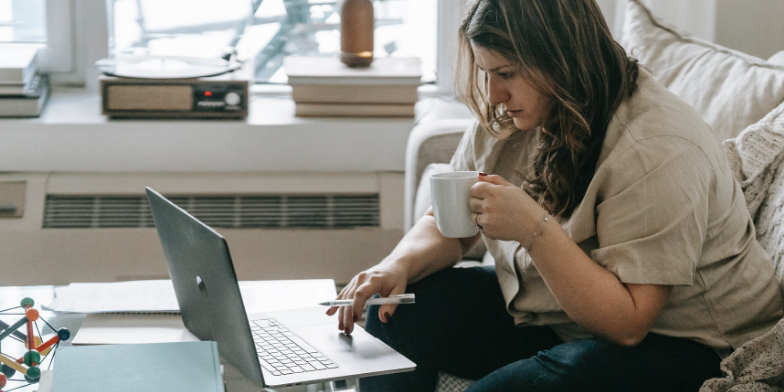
[[662, 208]]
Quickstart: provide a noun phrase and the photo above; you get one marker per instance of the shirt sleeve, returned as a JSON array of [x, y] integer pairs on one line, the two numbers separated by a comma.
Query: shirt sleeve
[[463, 159], [652, 218]]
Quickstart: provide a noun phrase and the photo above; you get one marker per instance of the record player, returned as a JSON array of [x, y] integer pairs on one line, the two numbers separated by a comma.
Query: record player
[[175, 59], [221, 96]]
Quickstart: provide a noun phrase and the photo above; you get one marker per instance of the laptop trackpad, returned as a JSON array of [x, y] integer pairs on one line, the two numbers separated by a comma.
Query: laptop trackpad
[[358, 354], [330, 341]]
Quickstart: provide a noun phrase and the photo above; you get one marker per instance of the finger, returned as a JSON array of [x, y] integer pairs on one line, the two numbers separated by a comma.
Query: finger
[[479, 190], [361, 295], [493, 179], [480, 220], [476, 205], [347, 293], [333, 309], [342, 318], [341, 295], [346, 312], [386, 311]]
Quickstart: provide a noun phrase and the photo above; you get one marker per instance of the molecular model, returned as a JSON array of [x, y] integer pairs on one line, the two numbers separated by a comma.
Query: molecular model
[[29, 364]]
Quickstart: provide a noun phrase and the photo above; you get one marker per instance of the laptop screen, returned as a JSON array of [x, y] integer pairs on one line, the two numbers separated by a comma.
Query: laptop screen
[[205, 284]]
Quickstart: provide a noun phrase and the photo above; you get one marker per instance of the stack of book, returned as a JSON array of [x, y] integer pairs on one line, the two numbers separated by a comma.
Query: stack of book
[[23, 91], [325, 87], [161, 367]]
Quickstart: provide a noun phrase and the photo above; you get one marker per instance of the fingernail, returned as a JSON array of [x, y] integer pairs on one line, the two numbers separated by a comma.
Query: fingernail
[[341, 326], [356, 318], [386, 317], [481, 174]]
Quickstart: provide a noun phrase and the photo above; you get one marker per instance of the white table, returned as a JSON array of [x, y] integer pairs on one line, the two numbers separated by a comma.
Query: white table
[[10, 297]]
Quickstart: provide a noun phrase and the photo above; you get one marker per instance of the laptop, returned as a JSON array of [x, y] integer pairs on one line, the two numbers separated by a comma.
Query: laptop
[[276, 349]]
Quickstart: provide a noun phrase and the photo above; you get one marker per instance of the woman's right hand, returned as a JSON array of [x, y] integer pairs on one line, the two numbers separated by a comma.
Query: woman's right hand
[[385, 279]]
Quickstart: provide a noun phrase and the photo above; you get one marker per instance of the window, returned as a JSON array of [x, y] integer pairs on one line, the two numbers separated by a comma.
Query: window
[[22, 21], [27, 22], [312, 27], [276, 29]]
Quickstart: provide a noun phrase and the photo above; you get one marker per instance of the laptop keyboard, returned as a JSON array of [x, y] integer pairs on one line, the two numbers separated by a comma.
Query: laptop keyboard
[[282, 352]]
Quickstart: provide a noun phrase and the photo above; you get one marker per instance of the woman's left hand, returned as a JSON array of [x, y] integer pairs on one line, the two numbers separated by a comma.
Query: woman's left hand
[[505, 211]]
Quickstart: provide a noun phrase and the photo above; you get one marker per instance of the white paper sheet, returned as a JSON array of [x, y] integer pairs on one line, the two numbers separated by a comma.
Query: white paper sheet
[[112, 328], [117, 313], [136, 296], [157, 296]]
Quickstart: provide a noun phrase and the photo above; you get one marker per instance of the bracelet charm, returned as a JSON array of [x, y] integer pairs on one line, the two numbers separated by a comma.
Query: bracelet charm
[[539, 230]]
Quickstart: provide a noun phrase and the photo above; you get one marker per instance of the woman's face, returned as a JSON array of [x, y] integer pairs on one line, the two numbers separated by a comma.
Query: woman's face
[[507, 87]]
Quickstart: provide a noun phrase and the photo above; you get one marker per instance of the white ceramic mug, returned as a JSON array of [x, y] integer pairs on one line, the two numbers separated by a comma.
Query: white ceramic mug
[[449, 194]]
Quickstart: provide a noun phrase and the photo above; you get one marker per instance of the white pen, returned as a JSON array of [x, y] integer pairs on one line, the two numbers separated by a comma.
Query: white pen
[[401, 299]]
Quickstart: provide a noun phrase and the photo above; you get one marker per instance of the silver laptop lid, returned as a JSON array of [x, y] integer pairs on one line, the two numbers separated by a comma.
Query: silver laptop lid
[[205, 284]]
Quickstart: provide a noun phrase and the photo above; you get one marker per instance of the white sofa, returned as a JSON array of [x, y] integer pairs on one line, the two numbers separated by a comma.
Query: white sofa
[[741, 97]]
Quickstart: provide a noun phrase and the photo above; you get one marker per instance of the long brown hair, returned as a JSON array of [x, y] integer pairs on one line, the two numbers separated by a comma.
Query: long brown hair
[[566, 49]]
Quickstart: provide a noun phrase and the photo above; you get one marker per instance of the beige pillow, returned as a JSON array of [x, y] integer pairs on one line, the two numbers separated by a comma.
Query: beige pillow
[[777, 58], [757, 160], [729, 89], [422, 203], [770, 222], [422, 199]]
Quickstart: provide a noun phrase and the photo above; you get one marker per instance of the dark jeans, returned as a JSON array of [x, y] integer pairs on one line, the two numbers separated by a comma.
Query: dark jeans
[[459, 325]]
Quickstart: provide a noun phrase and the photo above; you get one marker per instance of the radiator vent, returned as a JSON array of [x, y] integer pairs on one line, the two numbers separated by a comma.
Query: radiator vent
[[322, 211]]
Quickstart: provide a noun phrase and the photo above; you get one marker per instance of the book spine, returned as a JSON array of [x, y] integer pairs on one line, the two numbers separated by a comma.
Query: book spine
[[26, 106], [355, 94], [12, 90], [12, 75], [353, 110], [29, 72], [20, 75], [353, 81]]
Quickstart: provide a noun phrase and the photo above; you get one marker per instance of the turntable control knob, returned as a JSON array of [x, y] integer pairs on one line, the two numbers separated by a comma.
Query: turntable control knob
[[232, 98]]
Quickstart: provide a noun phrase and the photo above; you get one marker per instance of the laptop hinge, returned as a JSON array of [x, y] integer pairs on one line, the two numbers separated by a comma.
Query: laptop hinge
[[343, 386]]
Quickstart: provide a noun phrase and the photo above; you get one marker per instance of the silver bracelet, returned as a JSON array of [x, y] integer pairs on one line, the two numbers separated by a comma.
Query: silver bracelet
[[539, 231]]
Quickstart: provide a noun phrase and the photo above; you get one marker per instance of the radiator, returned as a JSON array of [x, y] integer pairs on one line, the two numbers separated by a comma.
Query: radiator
[[57, 228]]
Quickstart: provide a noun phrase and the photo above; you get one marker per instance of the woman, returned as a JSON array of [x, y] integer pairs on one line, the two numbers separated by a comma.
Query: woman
[[625, 257]]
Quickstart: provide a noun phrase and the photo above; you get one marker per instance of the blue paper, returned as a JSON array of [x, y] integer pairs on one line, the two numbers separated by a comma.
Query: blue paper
[[164, 367]]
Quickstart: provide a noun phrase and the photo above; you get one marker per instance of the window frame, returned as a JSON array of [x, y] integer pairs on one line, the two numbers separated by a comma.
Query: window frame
[[90, 36], [57, 54], [449, 19]]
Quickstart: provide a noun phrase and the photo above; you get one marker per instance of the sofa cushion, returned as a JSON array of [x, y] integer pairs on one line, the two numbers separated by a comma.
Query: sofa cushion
[[770, 226], [446, 382], [777, 58], [757, 160], [433, 142], [422, 202], [729, 89], [422, 199]]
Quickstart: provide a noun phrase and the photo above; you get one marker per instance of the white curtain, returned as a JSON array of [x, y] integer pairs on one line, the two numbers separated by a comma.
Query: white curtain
[[697, 17]]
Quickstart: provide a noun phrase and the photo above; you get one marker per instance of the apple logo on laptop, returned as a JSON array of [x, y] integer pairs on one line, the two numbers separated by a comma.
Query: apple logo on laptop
[[200, 284]]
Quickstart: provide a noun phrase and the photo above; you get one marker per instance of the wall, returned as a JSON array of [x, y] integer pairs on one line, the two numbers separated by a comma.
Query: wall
[[752, 26]]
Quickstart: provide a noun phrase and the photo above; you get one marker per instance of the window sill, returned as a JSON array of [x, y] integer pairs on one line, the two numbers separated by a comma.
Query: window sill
[[72, 136]]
